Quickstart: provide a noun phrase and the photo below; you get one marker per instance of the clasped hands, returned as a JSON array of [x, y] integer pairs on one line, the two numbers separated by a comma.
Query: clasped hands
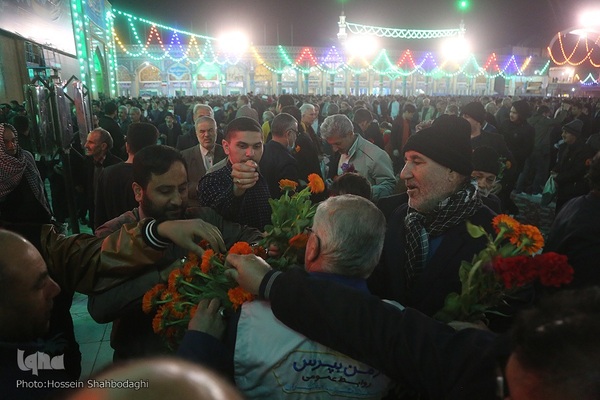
[[245, 176]]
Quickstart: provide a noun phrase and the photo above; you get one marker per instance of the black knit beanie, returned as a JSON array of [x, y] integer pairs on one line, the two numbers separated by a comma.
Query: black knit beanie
[[447, 142], [486, 159]]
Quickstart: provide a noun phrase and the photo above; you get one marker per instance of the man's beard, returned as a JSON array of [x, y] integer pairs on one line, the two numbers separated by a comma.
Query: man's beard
[[168, 213]]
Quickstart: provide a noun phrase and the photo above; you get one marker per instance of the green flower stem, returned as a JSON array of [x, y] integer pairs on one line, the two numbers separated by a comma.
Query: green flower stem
[[183, 281]]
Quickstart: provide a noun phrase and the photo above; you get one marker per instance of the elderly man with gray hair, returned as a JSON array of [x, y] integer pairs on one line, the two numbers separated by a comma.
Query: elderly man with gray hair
[[273, 361], [353, 153]]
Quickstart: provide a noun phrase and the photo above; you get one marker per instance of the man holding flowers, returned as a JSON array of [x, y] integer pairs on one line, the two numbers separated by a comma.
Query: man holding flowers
[[160, 187], [427, 238], [273, 361]]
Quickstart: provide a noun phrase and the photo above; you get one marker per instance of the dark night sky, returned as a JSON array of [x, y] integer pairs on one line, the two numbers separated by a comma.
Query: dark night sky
[[491, 24]]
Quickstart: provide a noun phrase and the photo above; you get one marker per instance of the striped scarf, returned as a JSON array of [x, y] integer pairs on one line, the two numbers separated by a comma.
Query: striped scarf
[[450, 212]]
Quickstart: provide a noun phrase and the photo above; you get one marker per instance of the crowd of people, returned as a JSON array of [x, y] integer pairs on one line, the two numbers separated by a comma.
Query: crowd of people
[[403, 176]]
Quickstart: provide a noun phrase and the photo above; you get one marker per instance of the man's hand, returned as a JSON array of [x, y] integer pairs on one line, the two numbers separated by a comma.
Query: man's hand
[[248, 270], [245, 175], [207, 319], [184, 233]]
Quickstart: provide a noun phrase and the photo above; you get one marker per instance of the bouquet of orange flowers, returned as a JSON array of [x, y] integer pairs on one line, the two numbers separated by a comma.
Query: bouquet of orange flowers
[[175, 303], [291, 214], [507, 264]]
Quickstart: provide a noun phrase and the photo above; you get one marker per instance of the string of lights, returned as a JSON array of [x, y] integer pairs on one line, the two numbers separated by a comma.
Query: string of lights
[[396, 33], [187, 47], [568, 59]]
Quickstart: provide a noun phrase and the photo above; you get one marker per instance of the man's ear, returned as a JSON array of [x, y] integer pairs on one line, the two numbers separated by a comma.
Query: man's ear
[[313, 248], [138, 192], [225, 145]]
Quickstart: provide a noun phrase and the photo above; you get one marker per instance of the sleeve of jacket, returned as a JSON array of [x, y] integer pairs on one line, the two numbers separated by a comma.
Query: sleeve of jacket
[[87, 264], [121, 299], [407, 346], [99, 203], [231, 231], [202, 348], [382, 173]]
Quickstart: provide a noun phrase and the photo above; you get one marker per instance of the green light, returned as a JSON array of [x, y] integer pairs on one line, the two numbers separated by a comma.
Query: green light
[[463, 5]]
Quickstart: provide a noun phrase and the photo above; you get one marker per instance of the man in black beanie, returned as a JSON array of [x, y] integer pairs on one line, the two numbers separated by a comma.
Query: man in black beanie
[[474, 114], [427, 238]]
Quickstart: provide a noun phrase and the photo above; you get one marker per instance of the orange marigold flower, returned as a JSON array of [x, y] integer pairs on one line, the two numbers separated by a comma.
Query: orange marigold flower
[[188, 268], [287, 184], [299, 241], [315, 184], [206, 264], [508, 165], [297, 149], [239, 296], [151, 296], [174, 277], [241, 248], [192, 257], [158, 324], [503, 221], [167, 295], [529, 238], [178, 309]]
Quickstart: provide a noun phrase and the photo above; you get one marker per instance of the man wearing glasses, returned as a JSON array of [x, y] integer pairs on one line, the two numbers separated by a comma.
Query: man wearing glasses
[[202, 157]]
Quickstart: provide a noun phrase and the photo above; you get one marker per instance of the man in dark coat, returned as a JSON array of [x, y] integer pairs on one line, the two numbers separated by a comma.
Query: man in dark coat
[[576, 233], [277, 162], [108, 122], [367, 126], [569, 173], [97, 149], [427, 238]]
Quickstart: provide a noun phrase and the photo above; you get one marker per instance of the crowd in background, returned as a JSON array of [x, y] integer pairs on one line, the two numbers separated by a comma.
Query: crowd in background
[[424, 165]]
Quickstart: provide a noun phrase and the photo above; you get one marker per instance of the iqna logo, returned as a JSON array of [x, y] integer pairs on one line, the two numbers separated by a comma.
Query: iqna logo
[[39, 361]]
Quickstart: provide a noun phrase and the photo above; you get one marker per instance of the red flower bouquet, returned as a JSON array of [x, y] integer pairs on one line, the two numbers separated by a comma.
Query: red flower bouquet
[[507, 264]]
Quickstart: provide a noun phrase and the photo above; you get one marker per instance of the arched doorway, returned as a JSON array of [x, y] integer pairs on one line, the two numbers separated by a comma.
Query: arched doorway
[[150, 81], [100, 73]]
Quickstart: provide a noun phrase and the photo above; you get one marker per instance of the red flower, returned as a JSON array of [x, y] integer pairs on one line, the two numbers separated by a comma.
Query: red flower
[[554, 269], [516, 271]]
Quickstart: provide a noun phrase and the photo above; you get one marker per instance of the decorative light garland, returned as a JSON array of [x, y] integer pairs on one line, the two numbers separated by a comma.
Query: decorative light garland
[[568, 59], [588, 78], [359, 29], [306, 62]]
